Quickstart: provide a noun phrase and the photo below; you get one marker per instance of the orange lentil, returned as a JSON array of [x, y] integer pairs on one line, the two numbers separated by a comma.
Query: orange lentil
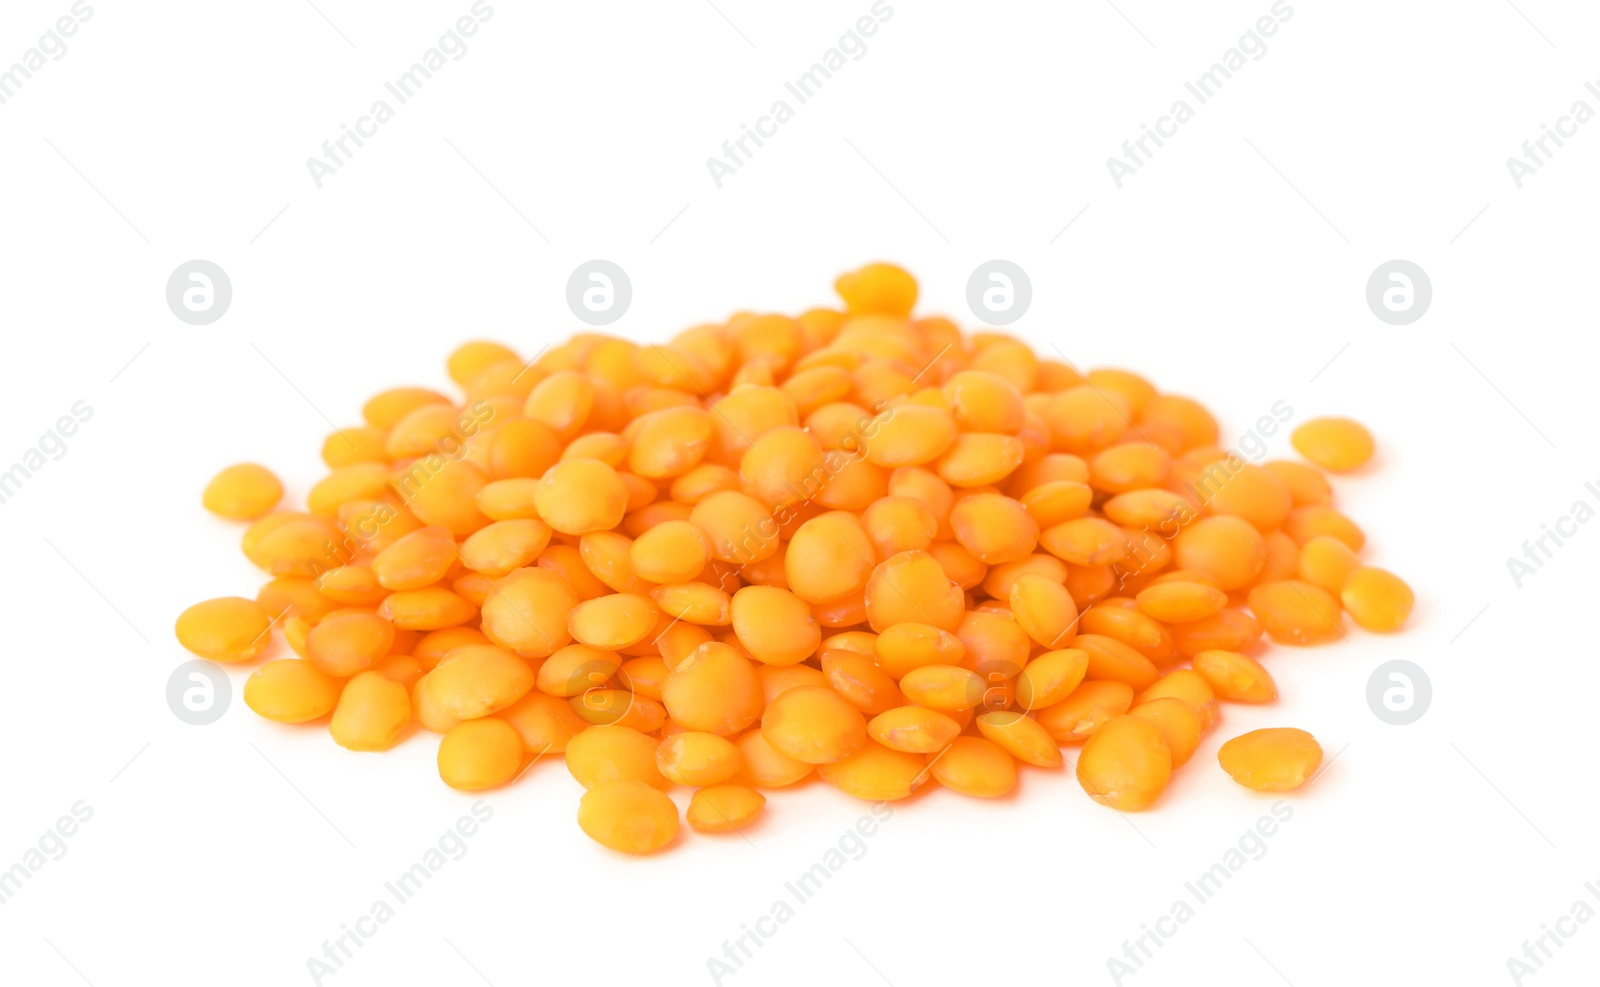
[[671, 552], [766, 766], [643, 675], [783, 466], [228, 629], [1276, 759], [243, 492], [386, 409], [479, 679], [352, 585], [606, 555], [1057, 501], [1235, 677], [619, 707], [1044, 609], [498, 548], [906, 646], [1048, 468], [358, 481], [527, 612], [1083, 710], [702, 481], [404, 669], [775, 626], [1306, 523], [1283, 557], [697, 603], [1337, 444], [291, 690], [860, 681], [1088, 541], [628, 816], [430, 715], [507, 499], [1142, 633], [692, 758], [1009, 359], [724, 808], [994, 528], [983, 402], [1089, 583], [1229, 548], [1295, 612], [428, 609], [480, 754], [1327, 562], [946, 688], [977, 459], [998, 581], [878, 289], [899, 524], [355, 444], [580, 495], [607, 753], [1185, 416], [447, 498], [912, 587], [294, 595], [1248, 491], [1051, 677], [1377, 599], [974, 766], [1129, 466], [1191, 688], [420, 558], [1020, 736], [613, 621], [995, 643], [1180, 602], [1306, 485], [1125, 763], [522, 447], [1230, 630], [1179, 725], [963, 568], [910, 435], [545, 723], [1085, 419], [372, 711], [1159, 510], [814, 725], [286, 544], [913, 729], [739, 528], [1112, 660], [348, 642], [431, 648], [875, 773], [714, 689]]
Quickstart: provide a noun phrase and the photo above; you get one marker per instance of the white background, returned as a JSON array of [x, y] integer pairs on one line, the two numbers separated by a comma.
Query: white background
[[1231, 268]]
